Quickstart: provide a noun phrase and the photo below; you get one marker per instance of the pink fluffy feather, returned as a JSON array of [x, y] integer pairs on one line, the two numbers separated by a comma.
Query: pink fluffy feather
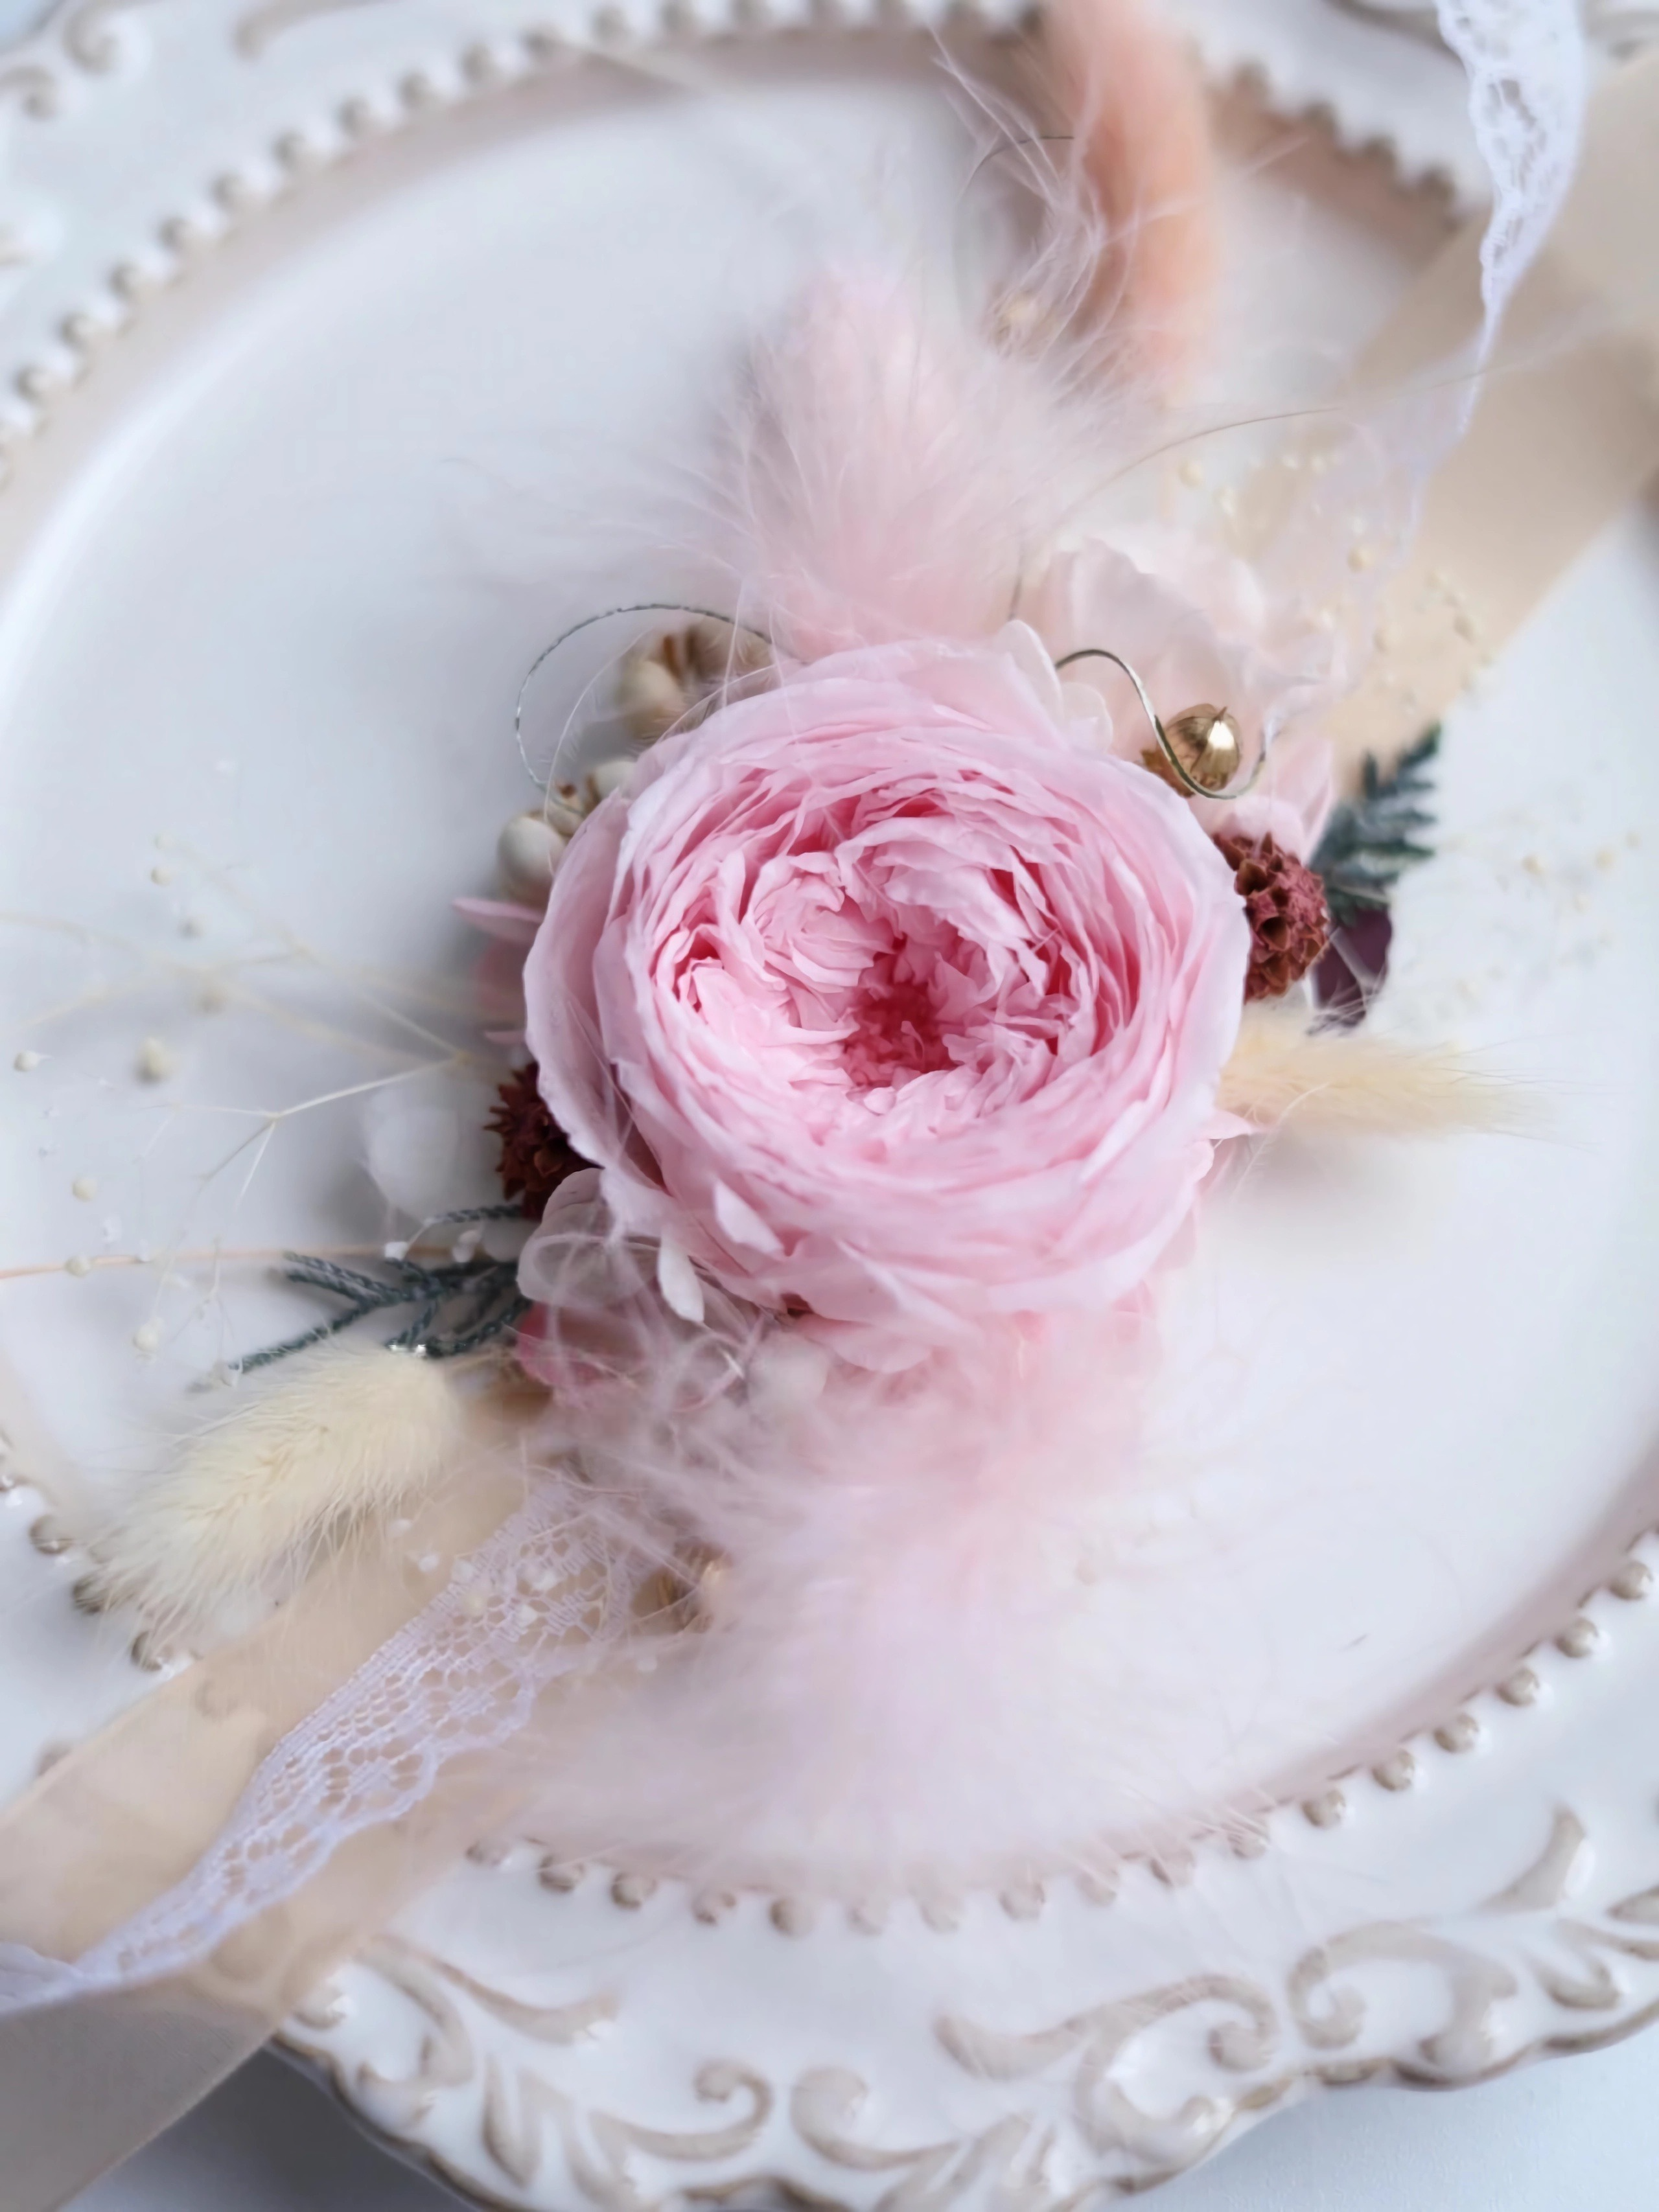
[[904, 1675], [909, 453]]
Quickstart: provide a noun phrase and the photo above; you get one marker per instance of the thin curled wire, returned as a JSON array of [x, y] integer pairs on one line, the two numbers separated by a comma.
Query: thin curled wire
[[1188, 782], [544, 784]]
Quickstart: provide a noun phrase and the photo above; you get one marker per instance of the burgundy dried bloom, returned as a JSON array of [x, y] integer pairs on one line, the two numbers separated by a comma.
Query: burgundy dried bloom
[[1290, 922], [536, 1154]]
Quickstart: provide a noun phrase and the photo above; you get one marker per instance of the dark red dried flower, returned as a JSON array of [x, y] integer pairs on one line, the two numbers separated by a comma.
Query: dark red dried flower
[[1290, 922], [536, 1154]]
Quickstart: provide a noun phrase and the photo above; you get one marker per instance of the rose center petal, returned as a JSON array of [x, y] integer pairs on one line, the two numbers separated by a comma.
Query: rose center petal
[[896, 1031], [920, 969]]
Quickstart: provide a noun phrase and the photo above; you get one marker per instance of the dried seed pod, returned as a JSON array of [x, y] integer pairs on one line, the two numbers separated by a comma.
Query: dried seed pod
[[1290, 923], [679, 676], [536, 1155]]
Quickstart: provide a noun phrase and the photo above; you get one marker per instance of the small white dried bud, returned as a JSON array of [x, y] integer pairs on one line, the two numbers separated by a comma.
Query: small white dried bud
[[606, 776], [680, 675], [650, 697], [528, 854]]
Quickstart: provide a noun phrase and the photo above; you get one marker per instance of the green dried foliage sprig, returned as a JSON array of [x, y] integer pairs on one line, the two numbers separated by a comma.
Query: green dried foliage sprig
[[1371, 840], [456, 1308]]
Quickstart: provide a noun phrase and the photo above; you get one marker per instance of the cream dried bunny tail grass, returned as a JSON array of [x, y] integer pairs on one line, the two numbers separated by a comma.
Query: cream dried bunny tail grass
[[348, 1437], [1352, 1079]]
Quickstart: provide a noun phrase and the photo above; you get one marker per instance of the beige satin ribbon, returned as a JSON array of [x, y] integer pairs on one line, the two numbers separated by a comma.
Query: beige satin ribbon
[[85, 2084], [126, 1817], [1556, 449], [207, 1731], [1566, 433]]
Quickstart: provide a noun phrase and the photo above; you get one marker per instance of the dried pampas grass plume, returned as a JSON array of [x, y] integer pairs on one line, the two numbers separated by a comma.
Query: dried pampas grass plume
[[1353, 1079], [348, 1437]]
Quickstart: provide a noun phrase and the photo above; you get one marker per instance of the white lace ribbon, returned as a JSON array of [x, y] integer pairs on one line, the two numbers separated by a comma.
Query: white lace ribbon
[[1526, 63], [462, 1677]]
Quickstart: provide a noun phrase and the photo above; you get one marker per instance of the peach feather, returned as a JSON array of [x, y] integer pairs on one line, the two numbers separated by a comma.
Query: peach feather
[[1126, 90]]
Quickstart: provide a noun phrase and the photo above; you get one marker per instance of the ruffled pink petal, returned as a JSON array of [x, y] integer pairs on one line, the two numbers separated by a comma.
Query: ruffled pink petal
[[502, 919], [883, 995]]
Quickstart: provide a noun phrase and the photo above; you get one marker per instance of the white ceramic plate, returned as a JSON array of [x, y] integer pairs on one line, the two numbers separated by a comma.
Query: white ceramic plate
[[353, 350], [1377, 70]]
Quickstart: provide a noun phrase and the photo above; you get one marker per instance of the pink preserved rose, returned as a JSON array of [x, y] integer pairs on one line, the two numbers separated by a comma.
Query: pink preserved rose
[[883, 995]]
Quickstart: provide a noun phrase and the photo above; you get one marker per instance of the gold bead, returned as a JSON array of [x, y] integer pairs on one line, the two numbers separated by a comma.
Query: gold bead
[[1206, 743]]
